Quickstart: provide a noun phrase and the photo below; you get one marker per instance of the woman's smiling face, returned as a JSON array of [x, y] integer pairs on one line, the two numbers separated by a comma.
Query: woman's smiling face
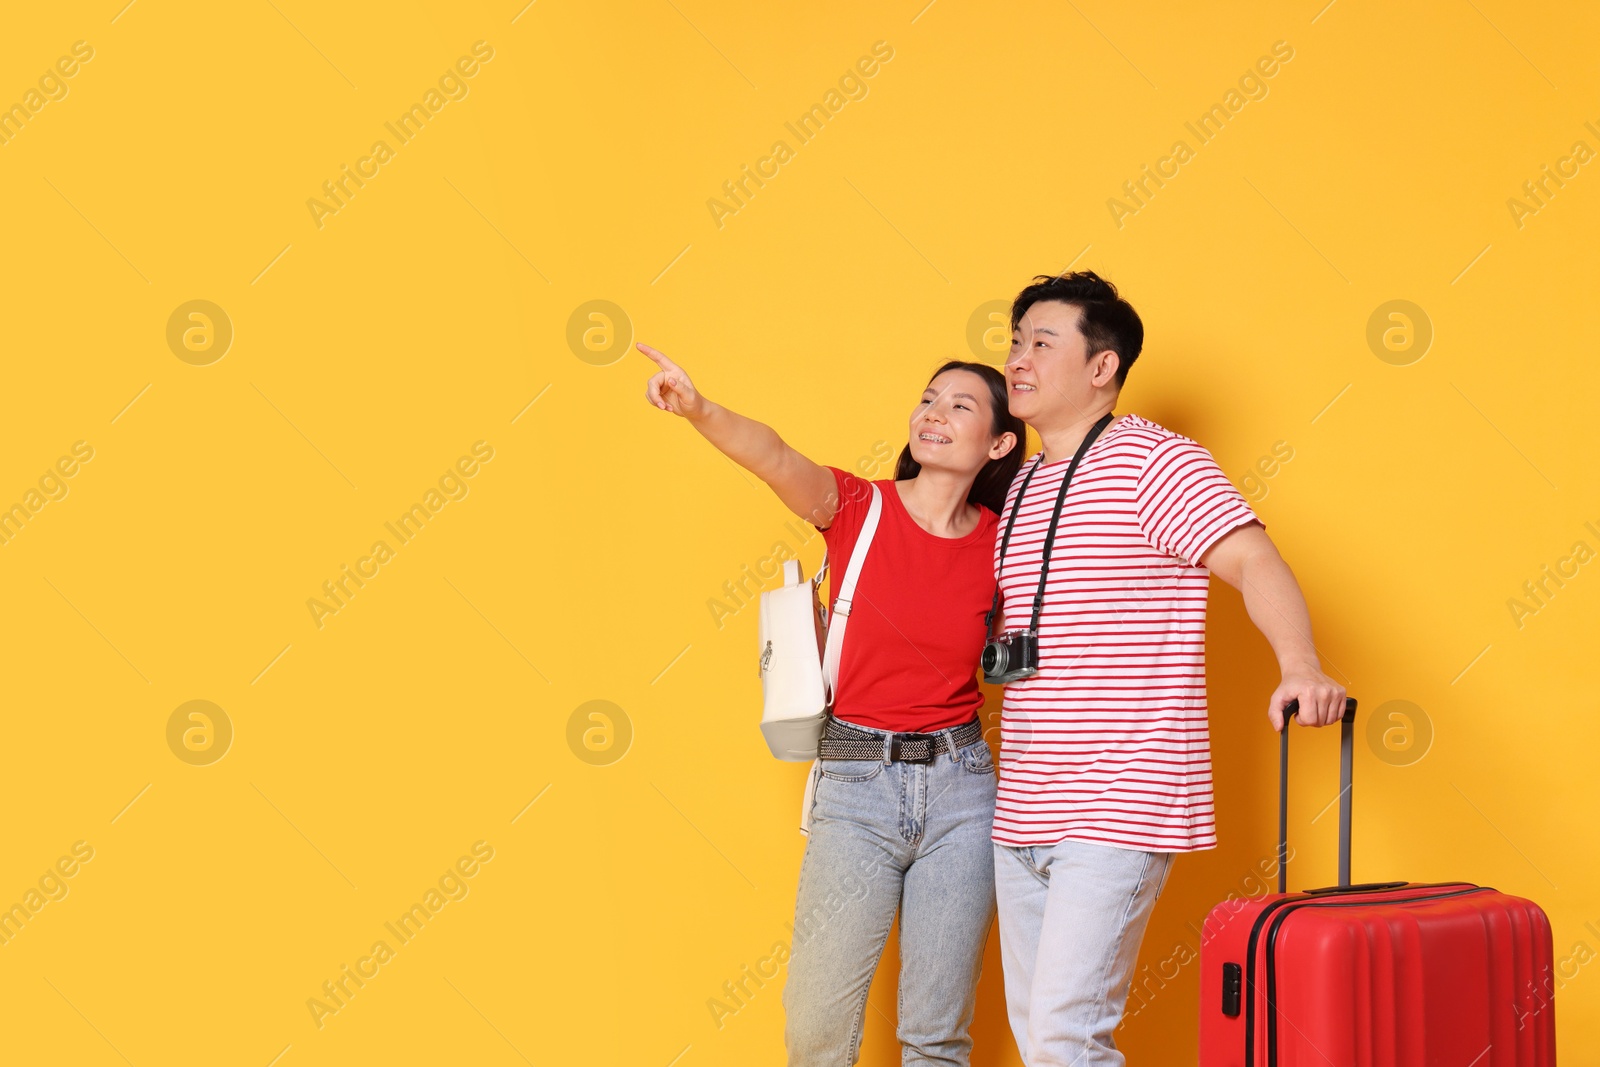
[[952, 426]]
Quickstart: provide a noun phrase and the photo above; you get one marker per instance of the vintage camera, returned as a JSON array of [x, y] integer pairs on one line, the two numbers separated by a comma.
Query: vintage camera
[[1011, 656]]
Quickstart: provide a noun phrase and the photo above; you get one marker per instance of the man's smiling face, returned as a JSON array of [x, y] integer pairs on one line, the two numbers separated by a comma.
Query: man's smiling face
[[1048, 368]]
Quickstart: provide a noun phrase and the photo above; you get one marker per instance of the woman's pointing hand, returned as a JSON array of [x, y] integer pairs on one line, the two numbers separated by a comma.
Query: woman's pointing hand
[[670, 388]]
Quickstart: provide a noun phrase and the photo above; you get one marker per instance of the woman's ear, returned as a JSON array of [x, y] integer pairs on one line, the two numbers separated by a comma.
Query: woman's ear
[[1003, 445]]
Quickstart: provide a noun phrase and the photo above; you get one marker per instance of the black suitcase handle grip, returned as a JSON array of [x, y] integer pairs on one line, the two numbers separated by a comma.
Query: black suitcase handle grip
[[1347, 733], [1364, 887]]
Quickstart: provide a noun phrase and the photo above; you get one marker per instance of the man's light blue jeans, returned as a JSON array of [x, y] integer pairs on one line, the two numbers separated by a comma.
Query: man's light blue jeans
[[912, 837], [1072, 915]]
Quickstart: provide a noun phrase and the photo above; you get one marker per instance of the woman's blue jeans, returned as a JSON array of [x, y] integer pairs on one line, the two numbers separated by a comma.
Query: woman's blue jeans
[[888, 836]]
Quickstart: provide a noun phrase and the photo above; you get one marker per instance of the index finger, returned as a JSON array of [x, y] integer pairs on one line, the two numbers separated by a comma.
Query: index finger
[[657, 355]]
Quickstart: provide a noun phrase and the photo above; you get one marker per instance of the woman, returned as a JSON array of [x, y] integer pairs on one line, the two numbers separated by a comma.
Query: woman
[[902, 821]]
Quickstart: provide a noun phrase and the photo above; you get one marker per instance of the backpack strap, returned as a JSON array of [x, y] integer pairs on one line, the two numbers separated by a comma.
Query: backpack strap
[[847, 589]]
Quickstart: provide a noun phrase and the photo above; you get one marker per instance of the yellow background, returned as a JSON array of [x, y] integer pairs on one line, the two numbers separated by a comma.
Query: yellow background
[[433, 308]]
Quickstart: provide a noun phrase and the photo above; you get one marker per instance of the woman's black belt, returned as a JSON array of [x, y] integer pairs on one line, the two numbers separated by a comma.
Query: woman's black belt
[[842, 741]]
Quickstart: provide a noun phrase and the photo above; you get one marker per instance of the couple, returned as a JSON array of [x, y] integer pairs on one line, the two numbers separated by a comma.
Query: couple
[[1105, 770]]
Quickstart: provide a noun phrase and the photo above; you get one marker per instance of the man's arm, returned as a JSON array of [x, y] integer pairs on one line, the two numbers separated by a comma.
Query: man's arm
[[1246, 559]]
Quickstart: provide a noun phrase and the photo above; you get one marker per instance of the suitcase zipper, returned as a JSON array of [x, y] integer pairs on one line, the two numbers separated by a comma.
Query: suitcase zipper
[[1250, 965], [1272, 937]]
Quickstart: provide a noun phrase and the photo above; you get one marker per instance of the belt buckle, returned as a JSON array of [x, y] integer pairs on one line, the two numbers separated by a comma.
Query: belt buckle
[[900, 739]]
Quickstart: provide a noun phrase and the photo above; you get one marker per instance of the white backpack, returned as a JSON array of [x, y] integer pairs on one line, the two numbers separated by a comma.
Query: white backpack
[[798, 685]]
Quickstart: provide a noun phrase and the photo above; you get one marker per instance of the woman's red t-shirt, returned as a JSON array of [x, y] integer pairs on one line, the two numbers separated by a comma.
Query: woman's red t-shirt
[[915, 640]]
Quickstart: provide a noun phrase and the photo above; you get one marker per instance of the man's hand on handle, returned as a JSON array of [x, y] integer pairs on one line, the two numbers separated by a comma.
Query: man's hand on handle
[[1321, 698]]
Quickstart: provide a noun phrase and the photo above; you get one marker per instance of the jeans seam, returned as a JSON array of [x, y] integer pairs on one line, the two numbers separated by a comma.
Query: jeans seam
[[860, 1013], [833, 776], [1116, 944], [1033, 864], [900, 992], [966, 765], [1024, 856], [855, 1026], [908, 791], [936, 799], [877, 769]]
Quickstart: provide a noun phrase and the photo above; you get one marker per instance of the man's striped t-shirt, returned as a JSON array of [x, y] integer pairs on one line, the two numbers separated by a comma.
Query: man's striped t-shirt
[[1109, 742]]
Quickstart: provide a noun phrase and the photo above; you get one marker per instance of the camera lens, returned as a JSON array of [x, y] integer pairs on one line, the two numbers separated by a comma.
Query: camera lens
[[993, 658]]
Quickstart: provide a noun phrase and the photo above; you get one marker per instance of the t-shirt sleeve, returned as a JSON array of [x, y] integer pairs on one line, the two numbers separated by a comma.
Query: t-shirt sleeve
[[852, 498], [855, 498], [1185, 503]]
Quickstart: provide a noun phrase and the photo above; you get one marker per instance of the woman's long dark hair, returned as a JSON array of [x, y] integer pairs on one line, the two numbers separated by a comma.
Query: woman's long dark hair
[[989, 488]]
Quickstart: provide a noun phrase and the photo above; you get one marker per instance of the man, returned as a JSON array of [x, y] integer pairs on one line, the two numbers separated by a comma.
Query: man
[[1105, 769]]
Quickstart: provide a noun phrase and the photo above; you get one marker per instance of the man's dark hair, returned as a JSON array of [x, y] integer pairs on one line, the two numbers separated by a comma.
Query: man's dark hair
[[1105, 320]]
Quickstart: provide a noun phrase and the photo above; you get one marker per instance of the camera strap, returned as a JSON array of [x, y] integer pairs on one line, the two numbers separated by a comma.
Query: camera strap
[[1050, 537]]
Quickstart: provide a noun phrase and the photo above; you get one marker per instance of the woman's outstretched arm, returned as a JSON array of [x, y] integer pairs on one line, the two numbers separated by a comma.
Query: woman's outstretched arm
[[805, 487]]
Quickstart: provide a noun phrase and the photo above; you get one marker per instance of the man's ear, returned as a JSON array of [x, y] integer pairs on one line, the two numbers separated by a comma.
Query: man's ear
[[1105, 371]]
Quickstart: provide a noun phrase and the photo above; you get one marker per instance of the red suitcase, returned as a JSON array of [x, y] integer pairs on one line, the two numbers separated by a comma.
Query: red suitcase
[[1387, 974]]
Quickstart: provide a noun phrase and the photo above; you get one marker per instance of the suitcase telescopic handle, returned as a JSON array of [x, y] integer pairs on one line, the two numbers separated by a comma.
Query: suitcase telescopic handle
[[1347, 734]]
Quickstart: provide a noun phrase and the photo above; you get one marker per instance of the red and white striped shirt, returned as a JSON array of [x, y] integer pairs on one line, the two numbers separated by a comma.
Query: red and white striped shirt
[[1109, 742]]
